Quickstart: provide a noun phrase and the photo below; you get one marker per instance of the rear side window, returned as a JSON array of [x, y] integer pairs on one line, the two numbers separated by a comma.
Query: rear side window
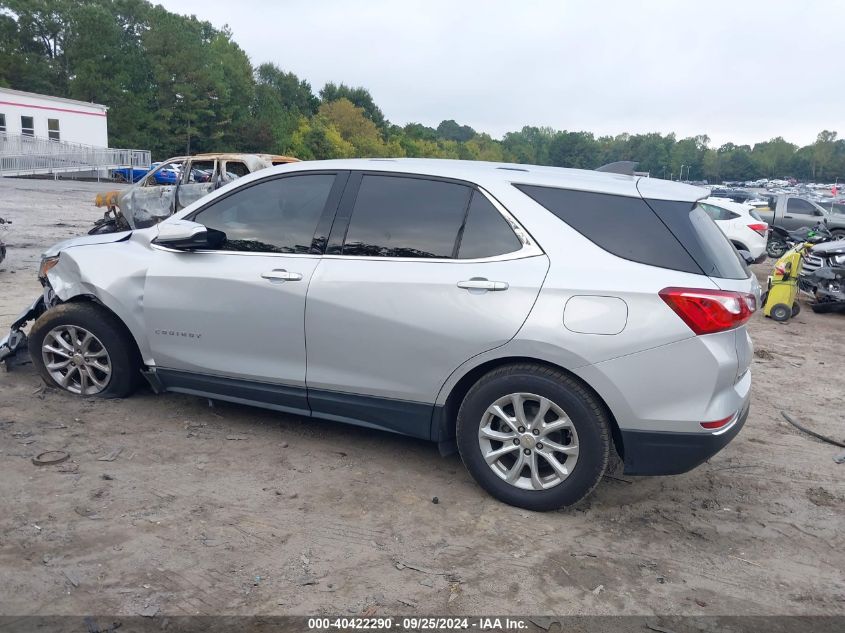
[[486, 233], [702, 239], [272, 216], [624, 226], [396, 216], [718, 213]]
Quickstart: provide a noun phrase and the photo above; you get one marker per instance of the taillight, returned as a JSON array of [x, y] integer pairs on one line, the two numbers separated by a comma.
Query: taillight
[[717, 424], [709, 311], [761, 228]]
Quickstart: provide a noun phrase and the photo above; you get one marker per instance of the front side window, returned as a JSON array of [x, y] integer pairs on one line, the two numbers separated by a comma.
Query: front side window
[[271, 216], [2, 123], [27, 126], [800, 207], [486, 233], [396, 216], [53, 129]]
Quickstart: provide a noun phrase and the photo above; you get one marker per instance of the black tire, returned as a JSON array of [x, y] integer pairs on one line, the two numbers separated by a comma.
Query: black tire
[[821, 308], [123, 356], [775, 248], [780, 312], [763, 298], [796, 309], [589, 417], [101, 227]]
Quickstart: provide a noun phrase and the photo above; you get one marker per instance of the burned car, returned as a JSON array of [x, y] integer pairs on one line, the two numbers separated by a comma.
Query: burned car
[[172, 185]]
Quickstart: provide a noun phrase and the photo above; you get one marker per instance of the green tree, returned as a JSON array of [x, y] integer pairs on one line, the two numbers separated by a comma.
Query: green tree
[[451, 131], [574, 149], [360, 97]]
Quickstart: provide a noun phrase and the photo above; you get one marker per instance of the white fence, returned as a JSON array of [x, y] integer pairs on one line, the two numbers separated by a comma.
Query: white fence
[[30, 155]]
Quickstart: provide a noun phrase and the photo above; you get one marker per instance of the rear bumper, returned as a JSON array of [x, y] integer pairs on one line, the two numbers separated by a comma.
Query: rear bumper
[[660, 453]]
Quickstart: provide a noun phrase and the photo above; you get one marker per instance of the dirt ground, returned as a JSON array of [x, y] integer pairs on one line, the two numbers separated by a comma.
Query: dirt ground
[[171, 506]]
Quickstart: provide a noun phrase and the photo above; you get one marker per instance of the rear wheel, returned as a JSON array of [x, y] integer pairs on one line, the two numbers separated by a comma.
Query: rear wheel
[[780, 312], [82, 349], [533, 437], [796, 309], [821, 308], [775, 248]]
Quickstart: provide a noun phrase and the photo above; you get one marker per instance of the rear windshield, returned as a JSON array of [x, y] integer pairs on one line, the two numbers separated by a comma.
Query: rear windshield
[[675, 235]]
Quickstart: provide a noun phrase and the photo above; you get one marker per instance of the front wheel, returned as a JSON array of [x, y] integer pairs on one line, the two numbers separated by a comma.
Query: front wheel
[[533, 437], [83, 349]]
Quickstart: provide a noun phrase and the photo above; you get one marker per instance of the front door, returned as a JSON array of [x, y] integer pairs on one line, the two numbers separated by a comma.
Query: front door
[[800, 213], [238, 313], [429, 274]]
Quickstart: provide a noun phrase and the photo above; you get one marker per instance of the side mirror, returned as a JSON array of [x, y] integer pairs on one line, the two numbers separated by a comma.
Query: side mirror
[[746, 256], [184, 235]]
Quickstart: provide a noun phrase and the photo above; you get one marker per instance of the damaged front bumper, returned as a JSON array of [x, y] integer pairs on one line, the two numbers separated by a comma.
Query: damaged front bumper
[[16, 338]]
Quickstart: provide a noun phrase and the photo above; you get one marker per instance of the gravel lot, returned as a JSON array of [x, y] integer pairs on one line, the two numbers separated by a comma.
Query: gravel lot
[[227, 509]]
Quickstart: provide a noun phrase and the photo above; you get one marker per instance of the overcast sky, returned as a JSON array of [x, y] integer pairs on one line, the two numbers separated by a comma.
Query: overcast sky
[[741, 71]]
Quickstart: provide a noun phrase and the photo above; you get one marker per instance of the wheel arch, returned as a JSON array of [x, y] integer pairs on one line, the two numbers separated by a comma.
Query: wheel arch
[[99, 305], [445, 417]]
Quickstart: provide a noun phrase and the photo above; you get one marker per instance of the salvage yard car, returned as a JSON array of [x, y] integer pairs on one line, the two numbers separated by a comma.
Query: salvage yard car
[[534, 318], [741, 225], [173, 185]]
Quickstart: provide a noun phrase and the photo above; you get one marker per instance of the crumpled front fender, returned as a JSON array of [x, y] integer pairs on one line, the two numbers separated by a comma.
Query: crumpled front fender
[[16, 338]]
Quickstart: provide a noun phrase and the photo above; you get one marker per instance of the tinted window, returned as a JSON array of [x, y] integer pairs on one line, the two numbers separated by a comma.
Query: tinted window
[[624, 226], [702, 239], [799, 206], [276, 216], [486, 233], [2, 122], [406, 217]]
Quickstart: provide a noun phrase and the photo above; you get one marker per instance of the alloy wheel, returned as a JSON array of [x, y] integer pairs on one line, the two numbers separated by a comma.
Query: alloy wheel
[[77, 360], [528, 441]]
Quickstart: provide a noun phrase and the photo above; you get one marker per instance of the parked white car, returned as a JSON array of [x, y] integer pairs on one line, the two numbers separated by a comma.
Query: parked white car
[[741, 224]]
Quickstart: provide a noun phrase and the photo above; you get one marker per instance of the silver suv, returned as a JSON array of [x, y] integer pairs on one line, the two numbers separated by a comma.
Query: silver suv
[[536, 319]]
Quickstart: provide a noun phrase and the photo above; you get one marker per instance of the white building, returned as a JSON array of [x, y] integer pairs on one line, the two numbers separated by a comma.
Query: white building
[[55, 118]]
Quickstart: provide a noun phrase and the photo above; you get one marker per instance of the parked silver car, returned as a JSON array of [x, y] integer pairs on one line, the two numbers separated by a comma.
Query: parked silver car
[[534, 318]]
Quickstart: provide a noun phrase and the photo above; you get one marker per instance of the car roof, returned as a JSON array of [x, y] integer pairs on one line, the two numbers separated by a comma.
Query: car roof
[[489, 173]]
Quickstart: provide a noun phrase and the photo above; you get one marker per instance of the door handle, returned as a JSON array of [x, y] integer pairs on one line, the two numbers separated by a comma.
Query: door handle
[[281, 275], [480, 283]]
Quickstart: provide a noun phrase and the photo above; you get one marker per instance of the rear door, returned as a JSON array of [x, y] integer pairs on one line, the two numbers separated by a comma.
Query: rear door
[[199, 178], [420, 275]]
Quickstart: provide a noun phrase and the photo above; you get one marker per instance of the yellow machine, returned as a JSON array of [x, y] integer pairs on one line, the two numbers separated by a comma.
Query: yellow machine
[[779, 301]]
